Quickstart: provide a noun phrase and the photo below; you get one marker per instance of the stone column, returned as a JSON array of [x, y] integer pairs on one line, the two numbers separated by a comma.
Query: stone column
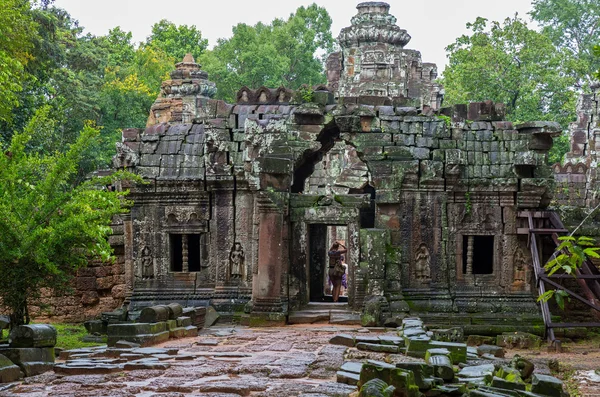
[[185, 265], [128, 250], [268, 308], [470, 240]]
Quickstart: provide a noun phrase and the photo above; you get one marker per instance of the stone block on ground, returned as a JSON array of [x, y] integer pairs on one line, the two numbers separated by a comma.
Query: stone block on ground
[[176, 333], [458, 351], [20, 355], [175, 311], [495, 351], [36, 368], [455, 334], [126, 345], [350, 366], [391, 340], [412, 323], [420, 371], [546, 385], [343, 340], [377, 347], [141, 333], [436, 352], [518, 340], [442, 367], [344, 318], [32, 335], [191, 331], [211, 317], [485, 371], [95, 327], [184, 321], [376, 387], [417, 346], [505, 384], [349, 378], [523, 365], [9, 372], [477, 340], [154, 314]]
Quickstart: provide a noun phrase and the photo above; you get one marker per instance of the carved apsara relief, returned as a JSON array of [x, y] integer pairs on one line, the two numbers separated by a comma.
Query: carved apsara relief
[[423, 263]]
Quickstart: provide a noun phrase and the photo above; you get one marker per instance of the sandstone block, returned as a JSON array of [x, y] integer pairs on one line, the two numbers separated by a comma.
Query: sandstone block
[[8, 371], [32, 335]]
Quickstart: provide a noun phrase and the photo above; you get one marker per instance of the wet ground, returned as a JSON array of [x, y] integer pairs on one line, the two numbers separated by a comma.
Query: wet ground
[[275, 362]]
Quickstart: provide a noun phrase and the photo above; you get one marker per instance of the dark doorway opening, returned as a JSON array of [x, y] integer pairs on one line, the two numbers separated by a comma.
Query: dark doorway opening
[[194, 252], [321, 238], [176, 252], [480, 255]]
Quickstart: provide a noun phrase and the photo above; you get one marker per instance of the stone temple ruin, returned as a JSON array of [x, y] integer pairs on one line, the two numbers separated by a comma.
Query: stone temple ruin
[[244, 199], [436, 205]]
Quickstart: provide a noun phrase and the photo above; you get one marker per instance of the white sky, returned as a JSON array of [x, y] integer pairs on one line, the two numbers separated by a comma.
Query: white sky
[[433, 24]]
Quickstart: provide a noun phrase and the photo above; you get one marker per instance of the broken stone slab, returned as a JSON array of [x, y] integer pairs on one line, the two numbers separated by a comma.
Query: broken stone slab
[[9, 372], [391, 340], [28, 354], [145, 365], [410, 332], [412, 323], [442, 367], [374, 347], [458, 351], [95, 327], [342, 340], [184, 321], [505, 384], [214, 342], [422, 372], [99, 369], [349, 378], [366, 339], [477, 340], [376, 388], [152, 351], [454, 334], [485, 371], [489, 392], [145, 334], [32, 335], [307, 317], [417, 346], [350, 366], [35, 368], [436, 352], [524, 366], [191, 331], [518, 340], [495, 351], [546, 385], [126, 344], [178, 332], [211, 317], [344, 318]]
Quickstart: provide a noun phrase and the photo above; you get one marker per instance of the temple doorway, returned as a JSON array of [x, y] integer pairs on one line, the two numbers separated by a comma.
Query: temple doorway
[[322, 238]]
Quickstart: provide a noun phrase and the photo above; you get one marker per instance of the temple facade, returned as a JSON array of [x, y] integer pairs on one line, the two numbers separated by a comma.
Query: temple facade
[[243, 200]]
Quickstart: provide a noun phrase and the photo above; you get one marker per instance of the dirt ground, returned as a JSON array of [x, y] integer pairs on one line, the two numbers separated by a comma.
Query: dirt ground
[[290, 361]]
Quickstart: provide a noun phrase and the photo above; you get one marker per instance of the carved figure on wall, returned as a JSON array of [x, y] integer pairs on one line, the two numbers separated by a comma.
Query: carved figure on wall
[[422, 263], [281, 98], [147, 263], [520, 263], [236, 261]]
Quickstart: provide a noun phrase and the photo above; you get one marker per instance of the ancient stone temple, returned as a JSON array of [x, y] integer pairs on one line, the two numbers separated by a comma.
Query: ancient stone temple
[[243, 200]]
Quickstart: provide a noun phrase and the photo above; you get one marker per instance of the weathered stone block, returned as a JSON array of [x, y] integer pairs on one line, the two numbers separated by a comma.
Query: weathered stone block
[[343, 340], [442, 367], [458, 351], [377, 347], [154, 314], [32, 335], [8, 371], [546, 385]]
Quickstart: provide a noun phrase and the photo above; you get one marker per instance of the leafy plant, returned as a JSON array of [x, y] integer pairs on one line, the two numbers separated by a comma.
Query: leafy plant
[[306, 93], [568, 257]]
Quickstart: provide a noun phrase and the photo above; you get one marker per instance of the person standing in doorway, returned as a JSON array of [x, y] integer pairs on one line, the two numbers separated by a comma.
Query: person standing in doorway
[[336, 269]]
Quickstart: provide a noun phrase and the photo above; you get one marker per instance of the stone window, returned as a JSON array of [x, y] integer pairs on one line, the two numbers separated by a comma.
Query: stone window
[[478, 255], [185, 252]]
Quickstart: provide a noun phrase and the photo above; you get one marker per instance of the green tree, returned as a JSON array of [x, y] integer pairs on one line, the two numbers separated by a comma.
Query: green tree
[[176, 41], [285, 52], [572, 25], [518, 66], [51, 224], [17, 29]]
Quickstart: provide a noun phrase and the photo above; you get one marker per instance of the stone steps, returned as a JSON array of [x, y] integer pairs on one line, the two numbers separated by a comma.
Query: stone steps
[[324, 315]]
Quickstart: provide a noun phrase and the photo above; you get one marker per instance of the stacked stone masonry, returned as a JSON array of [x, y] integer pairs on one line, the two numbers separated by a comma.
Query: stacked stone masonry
[[236, 194]]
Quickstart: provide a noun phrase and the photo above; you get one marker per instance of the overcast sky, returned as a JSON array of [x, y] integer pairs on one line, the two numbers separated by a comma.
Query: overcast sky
[[433, 24]]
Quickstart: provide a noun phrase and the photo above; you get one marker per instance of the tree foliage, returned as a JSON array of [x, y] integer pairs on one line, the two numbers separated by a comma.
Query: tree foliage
[[510, 63], [284, 52], [176, 41], [51, 222], [573, 25], [16, 31]]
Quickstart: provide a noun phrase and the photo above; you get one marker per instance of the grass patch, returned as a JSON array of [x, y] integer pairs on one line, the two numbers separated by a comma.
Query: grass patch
[[70, 336]]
